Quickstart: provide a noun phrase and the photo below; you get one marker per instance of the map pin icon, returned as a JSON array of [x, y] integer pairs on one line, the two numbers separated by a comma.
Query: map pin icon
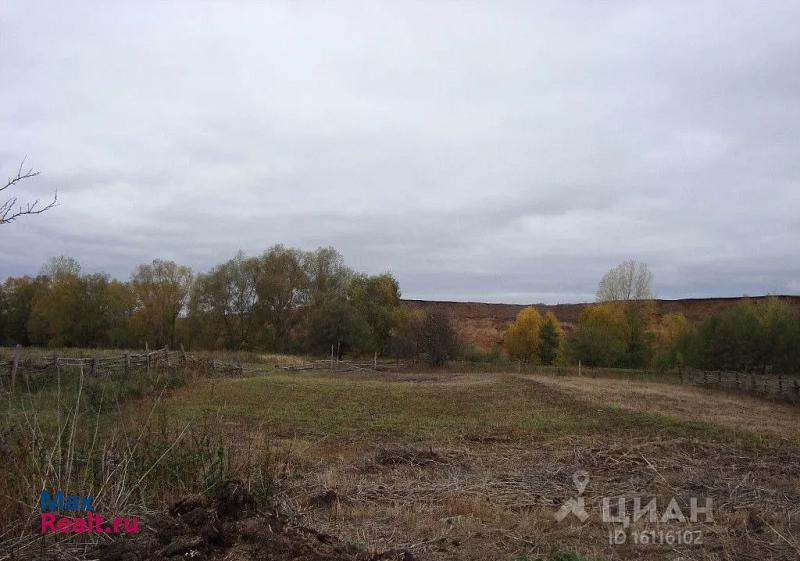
[[581, 480]]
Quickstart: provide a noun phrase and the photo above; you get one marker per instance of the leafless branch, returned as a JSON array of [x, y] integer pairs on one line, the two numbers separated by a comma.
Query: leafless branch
[[10, 210]]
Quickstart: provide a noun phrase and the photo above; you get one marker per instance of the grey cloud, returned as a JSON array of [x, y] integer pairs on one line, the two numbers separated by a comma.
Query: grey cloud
[[485, 151]]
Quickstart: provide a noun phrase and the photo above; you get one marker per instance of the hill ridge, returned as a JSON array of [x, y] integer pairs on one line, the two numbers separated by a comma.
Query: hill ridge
[[483, 323]]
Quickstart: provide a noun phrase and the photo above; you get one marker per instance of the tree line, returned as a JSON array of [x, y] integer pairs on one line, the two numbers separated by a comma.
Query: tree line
[[289, 300], [284, 300], [622, 330]]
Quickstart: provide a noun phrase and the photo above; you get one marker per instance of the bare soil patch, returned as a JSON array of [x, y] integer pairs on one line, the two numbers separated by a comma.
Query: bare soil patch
[[231, 528]]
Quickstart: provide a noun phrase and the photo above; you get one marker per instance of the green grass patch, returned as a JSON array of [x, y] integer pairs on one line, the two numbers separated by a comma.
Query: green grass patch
[[503, 407]]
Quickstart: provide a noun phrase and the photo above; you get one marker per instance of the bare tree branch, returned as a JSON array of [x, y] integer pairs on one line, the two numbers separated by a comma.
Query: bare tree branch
[[10, 210]]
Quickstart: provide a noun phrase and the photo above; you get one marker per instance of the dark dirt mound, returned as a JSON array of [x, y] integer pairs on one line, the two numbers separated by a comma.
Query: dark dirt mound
[[233, 528]]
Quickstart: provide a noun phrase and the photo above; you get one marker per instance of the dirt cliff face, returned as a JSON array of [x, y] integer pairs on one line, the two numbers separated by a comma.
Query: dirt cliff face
[[483, 325]]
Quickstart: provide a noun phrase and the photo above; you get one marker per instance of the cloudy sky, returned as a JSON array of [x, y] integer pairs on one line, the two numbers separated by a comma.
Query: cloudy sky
[[490, 151]]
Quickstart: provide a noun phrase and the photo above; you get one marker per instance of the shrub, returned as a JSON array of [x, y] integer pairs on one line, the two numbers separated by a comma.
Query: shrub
[[438, 340], [600, 338], [549, 339]]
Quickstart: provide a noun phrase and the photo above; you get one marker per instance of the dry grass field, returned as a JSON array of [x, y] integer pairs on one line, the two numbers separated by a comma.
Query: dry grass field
[[450, 466], [433, 465]]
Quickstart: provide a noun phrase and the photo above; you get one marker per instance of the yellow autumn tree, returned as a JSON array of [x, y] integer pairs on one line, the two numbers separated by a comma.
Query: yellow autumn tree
[[522, 335], [668, 336]]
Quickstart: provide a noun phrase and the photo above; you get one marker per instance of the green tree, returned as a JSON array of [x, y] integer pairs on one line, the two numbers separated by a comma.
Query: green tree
[[20, 293], [336, 324], [600, 337], [406, 332], [222, 305], [376, 299], [438, 338], [57, 307], [778, 343], [749, 336], [727, 340], [162, 290], [327, 274], [549, 339], [282, 291], [330, 319], [639, 338]]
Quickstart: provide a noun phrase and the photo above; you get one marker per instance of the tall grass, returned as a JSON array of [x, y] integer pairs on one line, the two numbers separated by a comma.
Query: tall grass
[[108, 438]]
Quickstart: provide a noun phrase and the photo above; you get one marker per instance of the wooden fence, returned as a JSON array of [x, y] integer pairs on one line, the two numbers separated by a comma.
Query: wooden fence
[[19, 367], [781, 386], [771, 385], [767, 384]]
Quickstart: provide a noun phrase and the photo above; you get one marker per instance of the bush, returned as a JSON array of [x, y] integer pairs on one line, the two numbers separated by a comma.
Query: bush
[[748, 337], [549, 339], [600, 337], [478, 356], [438, 340]]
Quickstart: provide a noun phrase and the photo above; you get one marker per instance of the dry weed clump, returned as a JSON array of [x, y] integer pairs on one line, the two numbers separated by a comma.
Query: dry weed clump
[[67, 438]]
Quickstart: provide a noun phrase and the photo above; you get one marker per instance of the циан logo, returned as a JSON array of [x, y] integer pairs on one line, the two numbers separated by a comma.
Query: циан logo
[[615, 510]]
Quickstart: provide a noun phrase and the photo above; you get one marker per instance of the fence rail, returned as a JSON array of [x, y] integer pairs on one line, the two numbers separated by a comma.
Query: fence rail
[[17, 366], [773, 385], [24, 367]]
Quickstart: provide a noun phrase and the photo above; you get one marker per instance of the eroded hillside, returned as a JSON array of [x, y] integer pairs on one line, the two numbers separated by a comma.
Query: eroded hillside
[[483, 324]]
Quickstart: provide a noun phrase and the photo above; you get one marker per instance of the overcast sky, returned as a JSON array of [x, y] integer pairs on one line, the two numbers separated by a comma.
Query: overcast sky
[[489, 151]]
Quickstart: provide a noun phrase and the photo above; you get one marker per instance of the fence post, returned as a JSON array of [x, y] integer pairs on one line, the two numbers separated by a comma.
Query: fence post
[[375, 361], [14, 366], [780, 384], [93, 367], [579, 368], [183, 354], [331, 356]]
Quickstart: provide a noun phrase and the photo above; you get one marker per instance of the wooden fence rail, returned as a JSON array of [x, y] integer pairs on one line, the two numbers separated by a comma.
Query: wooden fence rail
[[18, 366], [776, 385]]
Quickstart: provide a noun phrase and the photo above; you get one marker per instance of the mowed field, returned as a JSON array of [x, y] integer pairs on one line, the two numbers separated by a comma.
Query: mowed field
[[451, 466]]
